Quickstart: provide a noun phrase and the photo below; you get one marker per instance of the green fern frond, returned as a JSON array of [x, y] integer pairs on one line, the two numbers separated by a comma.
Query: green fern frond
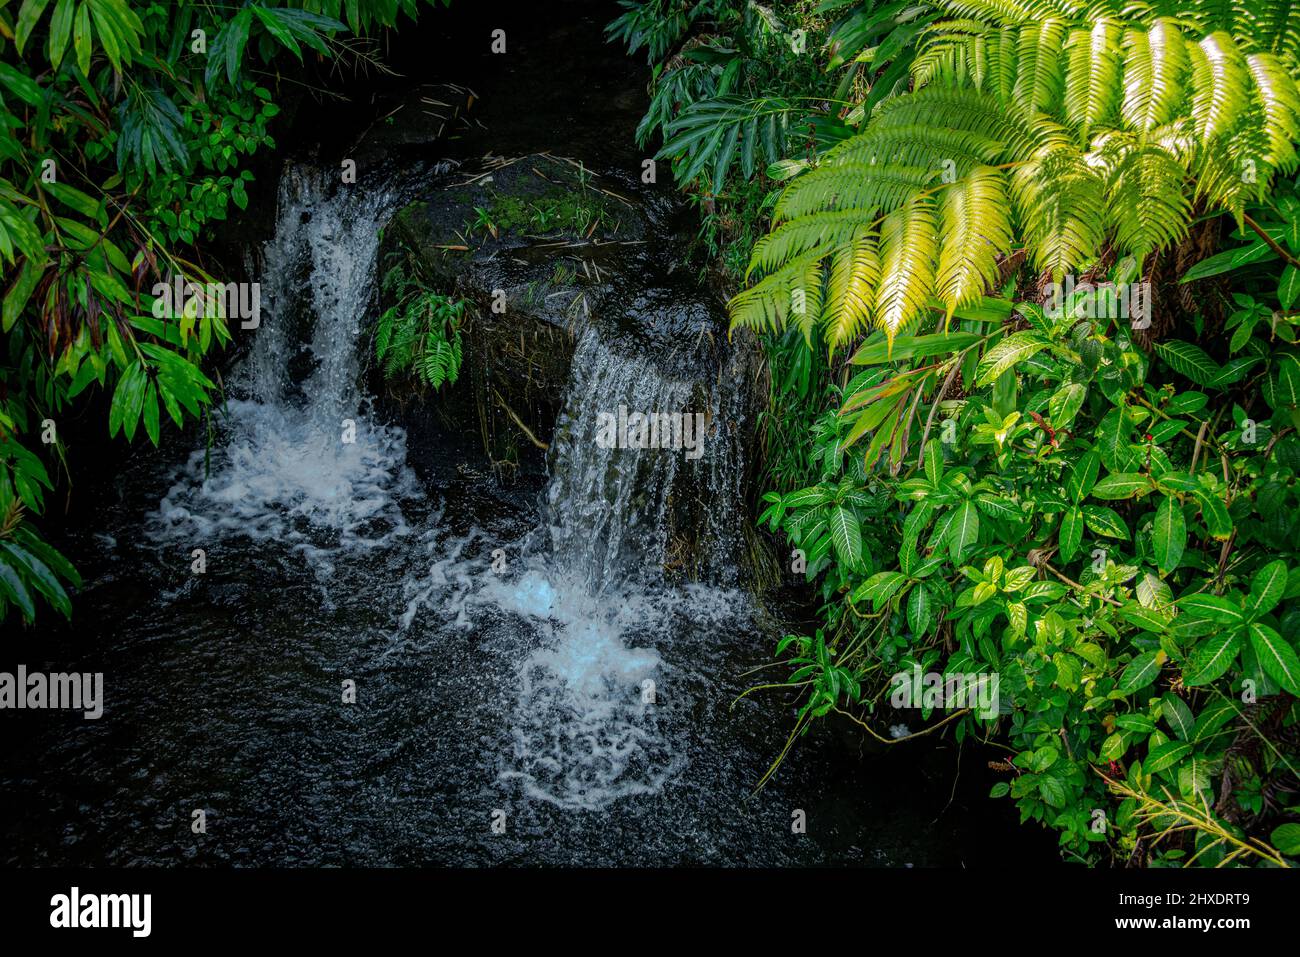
[[1155, 64], [908, 246], [795, 238], [922, 146], [1060, 201], [1272, 26], [1220, 85], [765, 306], [853, 186], [1039, 79], [1094, 78], [1280, 102], [1146, 197], [850, 293], [806, 299], [975, 221]]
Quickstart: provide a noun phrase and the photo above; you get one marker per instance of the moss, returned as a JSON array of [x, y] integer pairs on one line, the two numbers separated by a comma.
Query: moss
[[557, 210]]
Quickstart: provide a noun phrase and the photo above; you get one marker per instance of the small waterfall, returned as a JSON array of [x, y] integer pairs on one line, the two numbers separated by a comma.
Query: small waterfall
[[617, 513], [597, 708], [301, 457]]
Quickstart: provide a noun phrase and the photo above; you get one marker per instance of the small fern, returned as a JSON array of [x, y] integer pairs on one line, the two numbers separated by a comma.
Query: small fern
[[420, 336]]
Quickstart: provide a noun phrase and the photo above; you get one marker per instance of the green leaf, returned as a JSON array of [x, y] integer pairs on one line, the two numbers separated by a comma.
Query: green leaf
[[933, 461], [1286, 838], [1169, 535], [1014, 349], [28, 16], [1083, 476], [1276, 657], [1071, 533], [1289, 287], [1266, 589], [1212, 607], [1052, 790], [12, 588], [1178, 715], [846, 535], [81, 38], [920, 610], [60, 31], [41, 576], [1065, 404], [1105, 521], [1212, 658], [1140, 672], [964, 530], [1121, 485], [1189, 360], [913, 347], [1165, 756], [1215, 514]]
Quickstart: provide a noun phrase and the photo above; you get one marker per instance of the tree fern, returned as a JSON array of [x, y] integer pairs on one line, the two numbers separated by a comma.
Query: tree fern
[[855, 270], [1083, 124]]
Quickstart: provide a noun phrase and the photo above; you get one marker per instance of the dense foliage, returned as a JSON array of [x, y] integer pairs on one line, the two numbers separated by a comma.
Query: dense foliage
[[125, 132], [1084, 496]]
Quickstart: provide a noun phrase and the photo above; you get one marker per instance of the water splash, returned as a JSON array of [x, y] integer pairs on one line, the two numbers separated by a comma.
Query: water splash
[[303, 459]]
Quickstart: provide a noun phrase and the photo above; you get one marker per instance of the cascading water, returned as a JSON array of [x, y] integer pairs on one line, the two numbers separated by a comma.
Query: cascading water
[[303, 461], [590, 723], [615, 511], [597, 717]]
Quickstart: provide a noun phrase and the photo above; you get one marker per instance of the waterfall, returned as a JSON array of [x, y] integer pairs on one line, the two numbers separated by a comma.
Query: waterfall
[[620, 513], [301, 457], [598, 716], [596, 713]]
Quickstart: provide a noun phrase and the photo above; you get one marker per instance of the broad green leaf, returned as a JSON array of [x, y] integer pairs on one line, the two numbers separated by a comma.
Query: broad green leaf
[[920, 610], [1178, 715], [1212, 658], [846, 535], [1105, 521], [1276, 656], [1286, 838], [1083, 476], [1189, 360], [1141, 671], [1266, 589], [964, 530], [1212, 607], [1121, 485], [1169, 535], [1165, 756], [1014, 349], [1071, 533]]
